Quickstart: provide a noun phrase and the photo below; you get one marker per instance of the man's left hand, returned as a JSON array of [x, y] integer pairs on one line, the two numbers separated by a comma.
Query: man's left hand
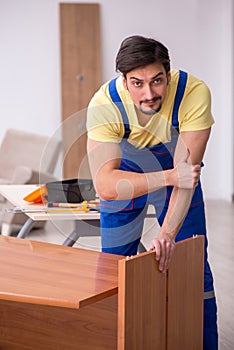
[[164, 246]]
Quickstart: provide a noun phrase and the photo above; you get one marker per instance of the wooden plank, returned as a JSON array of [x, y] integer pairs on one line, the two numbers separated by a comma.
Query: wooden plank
[[141, 304], [185, 296], [49, 274], [81, 77], [36, 327]]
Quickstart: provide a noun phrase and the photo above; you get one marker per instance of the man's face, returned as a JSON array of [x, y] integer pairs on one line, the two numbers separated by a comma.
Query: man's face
[[147, 87]]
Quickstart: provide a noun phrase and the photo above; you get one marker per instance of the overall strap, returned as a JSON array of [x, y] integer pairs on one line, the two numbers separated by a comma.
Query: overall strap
[[118, 102], [178, 98]]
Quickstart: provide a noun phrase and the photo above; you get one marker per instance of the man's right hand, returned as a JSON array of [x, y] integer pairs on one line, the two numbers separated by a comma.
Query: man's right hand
[[188, 175], [184, 175]]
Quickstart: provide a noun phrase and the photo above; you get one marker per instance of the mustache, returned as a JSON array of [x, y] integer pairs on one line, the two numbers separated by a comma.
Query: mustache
[[152, 100]]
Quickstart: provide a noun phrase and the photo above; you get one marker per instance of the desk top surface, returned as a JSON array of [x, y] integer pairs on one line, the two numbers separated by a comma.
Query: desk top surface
[[49, 274], [15, 194]]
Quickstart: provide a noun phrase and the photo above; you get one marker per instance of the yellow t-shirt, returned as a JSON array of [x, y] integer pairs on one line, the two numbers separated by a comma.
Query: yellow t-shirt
[[105, 124]]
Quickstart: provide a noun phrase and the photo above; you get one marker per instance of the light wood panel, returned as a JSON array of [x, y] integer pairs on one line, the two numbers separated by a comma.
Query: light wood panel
[[142, 304], [185, 296], [40, 327], [162, 311], [42, 273], [81, 77]]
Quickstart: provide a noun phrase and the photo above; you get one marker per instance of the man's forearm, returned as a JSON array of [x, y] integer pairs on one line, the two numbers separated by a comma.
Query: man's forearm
[[178, 208], [124, 185], [112, 183]]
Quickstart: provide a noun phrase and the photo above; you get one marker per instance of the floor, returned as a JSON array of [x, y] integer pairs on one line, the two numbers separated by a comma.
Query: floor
[[220, 224]]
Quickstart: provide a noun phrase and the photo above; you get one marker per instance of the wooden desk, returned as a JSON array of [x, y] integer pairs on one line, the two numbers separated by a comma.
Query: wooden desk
[[42, 286], [54, 297]]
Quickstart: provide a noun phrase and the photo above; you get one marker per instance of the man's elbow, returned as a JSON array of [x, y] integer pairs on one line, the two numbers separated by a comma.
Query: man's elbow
[[105, 192]]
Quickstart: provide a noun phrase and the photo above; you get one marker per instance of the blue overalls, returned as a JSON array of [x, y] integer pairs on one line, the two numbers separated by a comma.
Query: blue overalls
[[122, 220]]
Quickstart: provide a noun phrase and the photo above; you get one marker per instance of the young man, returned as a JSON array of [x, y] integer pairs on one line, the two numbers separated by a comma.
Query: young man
[[147, 134]]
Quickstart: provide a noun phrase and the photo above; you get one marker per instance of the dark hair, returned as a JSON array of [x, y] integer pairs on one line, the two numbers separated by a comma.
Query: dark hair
[[137, 51]]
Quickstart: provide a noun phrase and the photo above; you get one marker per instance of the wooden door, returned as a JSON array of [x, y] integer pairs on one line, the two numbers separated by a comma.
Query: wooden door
[[81, 77]]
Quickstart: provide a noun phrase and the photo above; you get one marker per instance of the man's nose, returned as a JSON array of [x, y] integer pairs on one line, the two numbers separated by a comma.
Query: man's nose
[[148, 92]]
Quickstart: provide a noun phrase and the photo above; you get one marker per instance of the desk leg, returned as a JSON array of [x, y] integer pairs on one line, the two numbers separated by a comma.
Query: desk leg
[[71, 239], [26, 228], [83, 228], [141, 248]]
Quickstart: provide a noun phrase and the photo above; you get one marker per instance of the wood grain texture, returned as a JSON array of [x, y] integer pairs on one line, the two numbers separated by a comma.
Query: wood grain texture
[[142, 304], [55, 297], [185, 296], [36, 327], [80, 76], [54, 275]]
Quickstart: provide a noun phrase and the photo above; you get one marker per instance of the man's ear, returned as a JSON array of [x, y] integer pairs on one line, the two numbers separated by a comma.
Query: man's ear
[[168, 77], [124, 82]]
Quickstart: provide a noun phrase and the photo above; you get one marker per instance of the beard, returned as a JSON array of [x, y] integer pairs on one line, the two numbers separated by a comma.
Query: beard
[[149, 110]]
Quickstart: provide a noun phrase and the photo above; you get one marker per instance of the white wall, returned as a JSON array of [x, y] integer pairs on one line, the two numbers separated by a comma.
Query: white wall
[[198, 33]]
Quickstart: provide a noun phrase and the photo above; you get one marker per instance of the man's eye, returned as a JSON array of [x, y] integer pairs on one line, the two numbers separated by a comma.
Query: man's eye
[[157, 81], [137, 83]]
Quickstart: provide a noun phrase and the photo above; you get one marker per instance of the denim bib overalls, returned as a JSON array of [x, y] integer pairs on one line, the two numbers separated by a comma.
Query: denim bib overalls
[[122, 220]]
